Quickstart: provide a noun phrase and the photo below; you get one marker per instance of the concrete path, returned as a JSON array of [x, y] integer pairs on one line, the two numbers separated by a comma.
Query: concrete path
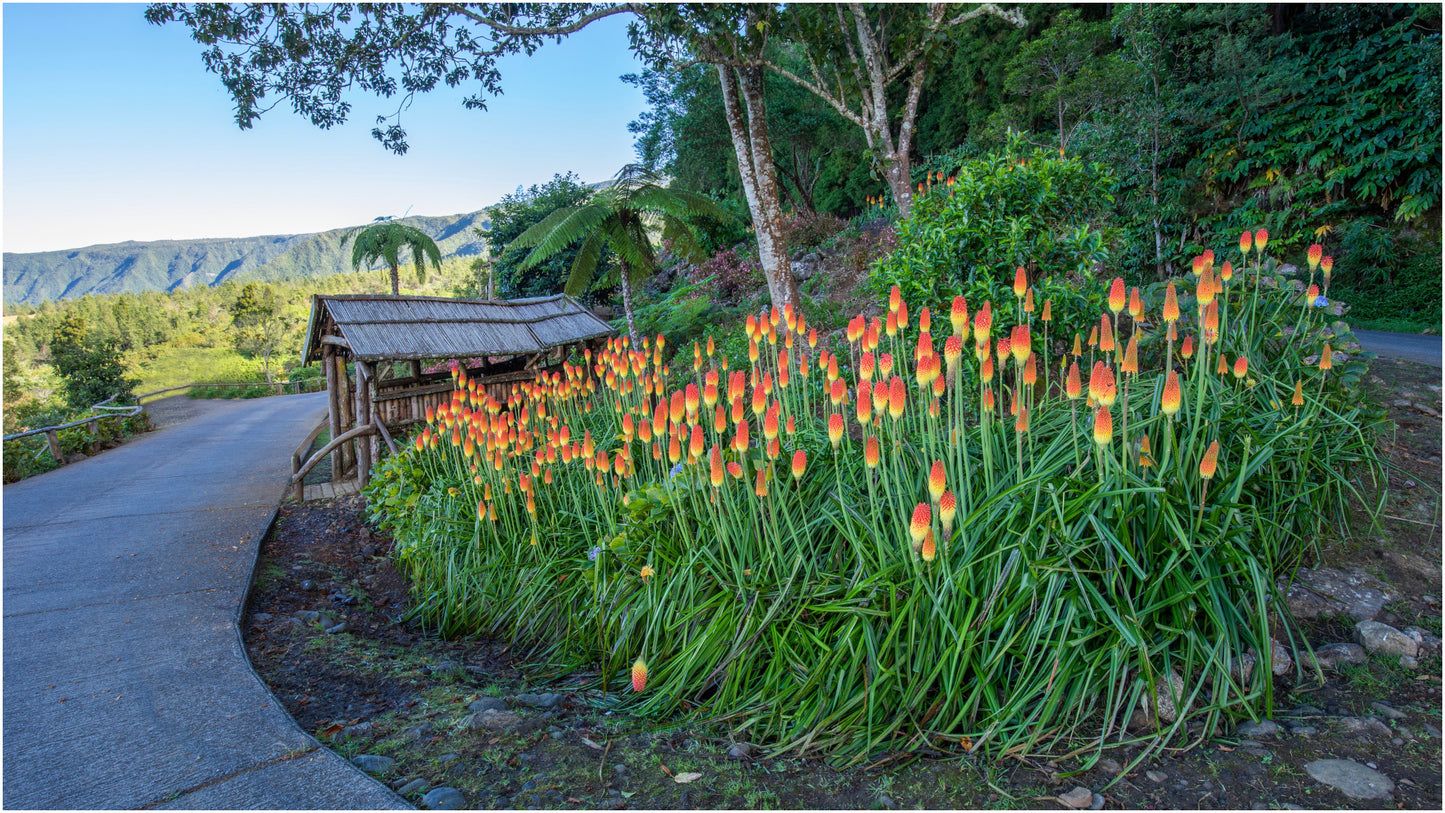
[[125, 681], [1406, 346]]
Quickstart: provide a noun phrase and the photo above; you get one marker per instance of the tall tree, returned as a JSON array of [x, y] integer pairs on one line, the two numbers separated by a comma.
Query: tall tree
[[856, 54], [90, 365], [515, 214], [618, 218], [259, 323], [385, 240]]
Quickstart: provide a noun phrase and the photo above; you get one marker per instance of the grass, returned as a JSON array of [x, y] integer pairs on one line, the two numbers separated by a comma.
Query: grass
[[796, 570]]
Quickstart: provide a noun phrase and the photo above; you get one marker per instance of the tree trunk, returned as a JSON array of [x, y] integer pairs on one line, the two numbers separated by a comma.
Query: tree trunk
[[755, 166], [627, 308], [395, 281]]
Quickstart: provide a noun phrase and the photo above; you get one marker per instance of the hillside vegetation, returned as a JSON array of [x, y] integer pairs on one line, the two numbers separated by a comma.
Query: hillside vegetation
[[171, 265]]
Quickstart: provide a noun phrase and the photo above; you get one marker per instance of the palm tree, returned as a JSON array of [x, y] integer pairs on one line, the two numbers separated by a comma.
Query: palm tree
[[384, 240], [618, 218]]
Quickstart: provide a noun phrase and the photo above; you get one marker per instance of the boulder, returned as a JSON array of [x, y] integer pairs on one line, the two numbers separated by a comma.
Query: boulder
[[1383, 639], [1331, 591]]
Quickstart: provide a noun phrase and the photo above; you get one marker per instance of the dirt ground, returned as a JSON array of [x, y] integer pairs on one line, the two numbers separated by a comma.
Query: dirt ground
[[381, 686]]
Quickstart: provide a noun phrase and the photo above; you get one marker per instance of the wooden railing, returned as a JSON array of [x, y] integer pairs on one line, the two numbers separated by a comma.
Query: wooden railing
[[298, 387], [92, 422]]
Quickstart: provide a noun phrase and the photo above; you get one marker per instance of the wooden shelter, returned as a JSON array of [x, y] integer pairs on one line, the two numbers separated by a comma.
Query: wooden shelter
[[390, 341]]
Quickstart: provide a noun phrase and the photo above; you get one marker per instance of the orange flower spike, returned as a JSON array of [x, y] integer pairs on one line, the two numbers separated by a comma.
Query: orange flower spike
[[1136, 305], [800, 464], [1029, 301], [1208, 256], [1327, 265], [891, 326], [1072, 387], [1031, 370], [1021, 282], [925, 320], [983, 322], [1116, 295], [646, 572], [791, 426], [1003, 348], [880, 397], [1299, 394], [958, 316], [1187, 348], [690, 401], [1106, 335], [1210, 464], [1093, 338], [1048, 314], [760, 488], [715, 466], [1171, 399], [929, 549], [836, 392], [922, 519], [1204, 290], [988, 404], [1327, 363], [1078, 345], [865, 367], [1146, 458], [695, 443], [947, 509], [1022, 424], [865, 409], [1246, 242], [832, 367], [1171, 304], [1226, 271], [1197, 266], [952, 351], [735, 470], [897, 398], [902, 314], [1241, 367], [812, 337], [895, 297], [985, 370], [674, 449], [937, 481], [885, 365], [740, 437], [835, 426], [1131, 356], [1019, 344], [711, 346], [1312, 294], [1103, 427], [639, 675], [1261, 239], [770, 422], [1223, 367], [720, 419], [870, 452], [760, 400]]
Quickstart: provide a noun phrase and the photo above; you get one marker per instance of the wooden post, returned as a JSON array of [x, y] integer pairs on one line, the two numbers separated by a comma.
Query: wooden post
[[374, 415], [348, 451], [54, 441], [333, 407], [361, 410]]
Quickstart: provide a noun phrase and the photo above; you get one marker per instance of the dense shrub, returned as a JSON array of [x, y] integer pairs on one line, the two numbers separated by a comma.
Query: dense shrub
[[836, 571], [806, 231], [993, 214], [731, 276]]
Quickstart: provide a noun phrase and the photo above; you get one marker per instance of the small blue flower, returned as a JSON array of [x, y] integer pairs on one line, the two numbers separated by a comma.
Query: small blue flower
[[594, 553], [676, 470], [1321, 302]]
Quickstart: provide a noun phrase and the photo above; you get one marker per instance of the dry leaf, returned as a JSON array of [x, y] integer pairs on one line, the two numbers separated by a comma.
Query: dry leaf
[[684, 778], [591, 744]]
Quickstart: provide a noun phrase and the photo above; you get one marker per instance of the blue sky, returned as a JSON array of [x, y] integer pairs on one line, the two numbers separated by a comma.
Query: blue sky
[[114, 131]]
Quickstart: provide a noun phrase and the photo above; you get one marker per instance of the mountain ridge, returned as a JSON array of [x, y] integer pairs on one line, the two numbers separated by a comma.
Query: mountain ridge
[[167, 265]]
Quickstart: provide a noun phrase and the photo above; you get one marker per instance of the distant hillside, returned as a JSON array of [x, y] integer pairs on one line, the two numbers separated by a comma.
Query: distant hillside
[[167, 265]]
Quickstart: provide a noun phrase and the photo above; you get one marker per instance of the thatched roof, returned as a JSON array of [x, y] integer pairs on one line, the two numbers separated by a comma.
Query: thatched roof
[[377, 328]]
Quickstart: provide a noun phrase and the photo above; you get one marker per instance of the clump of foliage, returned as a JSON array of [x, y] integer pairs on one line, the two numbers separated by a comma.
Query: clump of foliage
[[520, 211], [805, 231], [976, 223], [731, 275], [90, 366], [959, 544]]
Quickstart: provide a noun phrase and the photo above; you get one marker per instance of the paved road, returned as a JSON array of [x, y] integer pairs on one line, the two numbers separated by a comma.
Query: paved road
[[1407, 346], [125, 681]]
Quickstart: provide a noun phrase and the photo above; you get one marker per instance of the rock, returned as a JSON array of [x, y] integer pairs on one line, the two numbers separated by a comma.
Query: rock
[[488, 704], [1331, 591], [740, 750], [419, 731], [411, 787], [1409, 663], [540, 701], [1431, 730], [444, 799], [1109, 766], [1279, 659], [310, 586], [1388, 712], [1397, 742], [442, 668], [1416, 564], [1157, 777], [1424, 638], [1244, 666], [1257, 729], [1306, 711], [1351, 778], [1384, 639], [1333, 656], [372, 763], [492, 720], [356, 732], [339, 628], [308, 616], [260, 618], [445, 758], [806, 266], [1363, 727], [1165, 691], [1077, 799], [886, 802], [1097, 803], [1304, 731]]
